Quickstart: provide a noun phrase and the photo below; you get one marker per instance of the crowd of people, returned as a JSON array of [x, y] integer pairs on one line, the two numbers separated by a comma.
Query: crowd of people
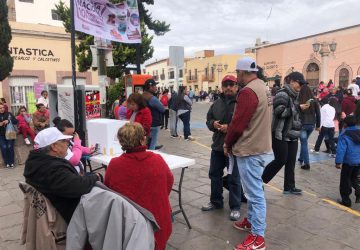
[[244, 113]]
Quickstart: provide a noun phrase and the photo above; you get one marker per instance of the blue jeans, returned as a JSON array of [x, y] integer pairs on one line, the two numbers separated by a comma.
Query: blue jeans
[[326, 132], [251, 169], [185, 118], [7, 150], [154, 134], [218, 162], [305, 133]]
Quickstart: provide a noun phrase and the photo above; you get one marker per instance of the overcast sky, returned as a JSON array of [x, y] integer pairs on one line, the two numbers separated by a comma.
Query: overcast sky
[[229, 26]]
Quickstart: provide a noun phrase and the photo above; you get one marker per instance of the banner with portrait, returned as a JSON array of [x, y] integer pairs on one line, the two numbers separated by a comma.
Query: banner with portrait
[[116, 22]]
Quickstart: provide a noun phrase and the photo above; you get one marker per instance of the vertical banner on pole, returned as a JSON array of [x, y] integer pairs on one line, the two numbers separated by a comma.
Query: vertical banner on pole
[[116, 22]]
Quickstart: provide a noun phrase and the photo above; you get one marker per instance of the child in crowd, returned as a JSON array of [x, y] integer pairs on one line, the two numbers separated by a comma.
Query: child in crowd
[[327, 114], [348, 152], [24, 121]]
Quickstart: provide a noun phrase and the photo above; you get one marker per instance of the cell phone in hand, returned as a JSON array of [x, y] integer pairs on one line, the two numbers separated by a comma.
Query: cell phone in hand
[[309, 101]]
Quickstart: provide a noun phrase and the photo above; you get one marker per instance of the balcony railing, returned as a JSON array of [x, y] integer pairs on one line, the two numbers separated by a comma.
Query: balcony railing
[[192, 78], [209, 78]]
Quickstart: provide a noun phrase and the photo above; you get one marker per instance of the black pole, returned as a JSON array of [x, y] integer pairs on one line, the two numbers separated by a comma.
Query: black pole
[[138, 58], [73, 65]]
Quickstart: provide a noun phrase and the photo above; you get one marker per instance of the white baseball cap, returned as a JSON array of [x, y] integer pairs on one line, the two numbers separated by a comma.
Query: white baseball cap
[[246, 64], [358, 76], [49, 136]]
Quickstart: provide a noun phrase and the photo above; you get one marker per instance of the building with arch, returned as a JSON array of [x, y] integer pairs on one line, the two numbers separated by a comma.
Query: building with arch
[[342, 66]]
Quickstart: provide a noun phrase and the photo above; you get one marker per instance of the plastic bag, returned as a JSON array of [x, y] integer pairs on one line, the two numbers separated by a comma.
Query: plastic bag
[[11, 132]]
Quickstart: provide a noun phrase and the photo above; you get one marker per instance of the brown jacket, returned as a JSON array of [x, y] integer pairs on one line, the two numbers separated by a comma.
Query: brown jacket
[[43, 228], [256, 138]]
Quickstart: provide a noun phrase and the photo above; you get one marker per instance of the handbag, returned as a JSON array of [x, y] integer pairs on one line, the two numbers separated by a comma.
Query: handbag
[[11, 132]]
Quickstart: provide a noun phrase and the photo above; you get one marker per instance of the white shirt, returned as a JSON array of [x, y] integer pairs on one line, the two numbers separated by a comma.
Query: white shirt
[[327, 116], [43, 101], [355, 89]]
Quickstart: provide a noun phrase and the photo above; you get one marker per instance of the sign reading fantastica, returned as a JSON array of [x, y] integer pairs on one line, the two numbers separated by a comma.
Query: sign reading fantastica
[[33, 54], [116, 22]]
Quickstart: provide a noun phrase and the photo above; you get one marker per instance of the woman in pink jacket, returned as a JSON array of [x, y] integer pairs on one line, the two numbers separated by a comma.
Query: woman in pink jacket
[[24, 120], [75, 150]]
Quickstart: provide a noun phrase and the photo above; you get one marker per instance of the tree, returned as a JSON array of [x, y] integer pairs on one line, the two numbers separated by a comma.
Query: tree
[[6, 61], [123, 54]]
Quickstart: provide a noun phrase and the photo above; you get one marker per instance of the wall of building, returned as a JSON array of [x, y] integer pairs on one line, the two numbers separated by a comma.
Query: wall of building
[[280, 59], [41, 53], [162, 73], [212, 80], [37, 12]]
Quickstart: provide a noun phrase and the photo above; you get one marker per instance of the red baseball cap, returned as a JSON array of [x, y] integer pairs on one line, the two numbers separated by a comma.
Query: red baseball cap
[[229, 78]]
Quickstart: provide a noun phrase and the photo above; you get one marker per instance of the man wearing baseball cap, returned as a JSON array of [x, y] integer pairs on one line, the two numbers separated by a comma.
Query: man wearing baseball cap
[[248, 138], [53, 176], [157, 109], [218, 118]]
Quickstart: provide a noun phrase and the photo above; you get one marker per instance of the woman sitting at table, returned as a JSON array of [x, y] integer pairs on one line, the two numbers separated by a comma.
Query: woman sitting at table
[[144, 177], [138, 112]]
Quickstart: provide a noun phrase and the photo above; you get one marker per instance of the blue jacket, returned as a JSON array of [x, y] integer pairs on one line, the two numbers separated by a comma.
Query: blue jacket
[[348, 147]]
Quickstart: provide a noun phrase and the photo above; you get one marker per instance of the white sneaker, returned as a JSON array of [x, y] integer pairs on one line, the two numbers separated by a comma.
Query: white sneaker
[[190, 138], [235, 215], [27, 141], [314, 151]]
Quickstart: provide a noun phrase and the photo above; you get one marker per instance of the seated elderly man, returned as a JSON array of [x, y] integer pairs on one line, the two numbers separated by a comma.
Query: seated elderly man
[[49, 173]]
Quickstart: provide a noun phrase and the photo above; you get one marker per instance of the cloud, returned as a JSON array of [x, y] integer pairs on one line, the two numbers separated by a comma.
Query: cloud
[[229, 26]]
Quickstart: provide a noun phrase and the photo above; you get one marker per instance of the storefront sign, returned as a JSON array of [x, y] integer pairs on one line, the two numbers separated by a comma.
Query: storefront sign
[[92, 104], [33, 54], [270, 65], [116, 22], [31, 102]]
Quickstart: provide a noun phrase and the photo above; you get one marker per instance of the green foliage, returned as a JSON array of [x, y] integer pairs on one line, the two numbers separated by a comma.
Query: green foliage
[[114, 91], [6, 61], [123, 54]]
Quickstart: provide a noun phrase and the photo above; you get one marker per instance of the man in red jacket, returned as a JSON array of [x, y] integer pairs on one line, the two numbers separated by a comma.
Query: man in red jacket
[[248, 139]]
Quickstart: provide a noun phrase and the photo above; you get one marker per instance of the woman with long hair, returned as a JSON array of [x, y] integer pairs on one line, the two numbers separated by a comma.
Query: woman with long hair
[[137, 111], [6, 143], [184, 104], [309, 119]]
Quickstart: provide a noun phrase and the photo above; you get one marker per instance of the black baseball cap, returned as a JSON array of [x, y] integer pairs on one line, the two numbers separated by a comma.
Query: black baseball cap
[[149, 82], [297, 77]]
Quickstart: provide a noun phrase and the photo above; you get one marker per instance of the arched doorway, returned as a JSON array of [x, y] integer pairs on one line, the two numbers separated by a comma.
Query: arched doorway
[[313, 74], [344, 77]]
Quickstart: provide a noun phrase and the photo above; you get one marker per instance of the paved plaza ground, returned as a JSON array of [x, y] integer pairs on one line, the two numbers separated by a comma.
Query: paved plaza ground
[[310, 221]]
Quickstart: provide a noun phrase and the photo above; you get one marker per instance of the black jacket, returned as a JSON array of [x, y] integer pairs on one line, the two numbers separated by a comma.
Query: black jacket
[[56, 179], [3, 117], [311, 116], [222, 110], [157, 109]]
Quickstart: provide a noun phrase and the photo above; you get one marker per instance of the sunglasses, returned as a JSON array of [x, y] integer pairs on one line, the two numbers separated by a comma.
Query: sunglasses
[[228, 84]]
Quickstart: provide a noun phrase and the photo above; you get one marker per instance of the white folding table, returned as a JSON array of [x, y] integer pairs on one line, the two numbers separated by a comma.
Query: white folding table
[[173, 161]]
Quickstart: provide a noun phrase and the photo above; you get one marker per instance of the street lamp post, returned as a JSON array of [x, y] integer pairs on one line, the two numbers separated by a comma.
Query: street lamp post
[[219, 67], [324, 49]]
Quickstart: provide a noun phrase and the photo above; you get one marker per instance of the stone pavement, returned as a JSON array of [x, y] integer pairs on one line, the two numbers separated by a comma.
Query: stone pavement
[[310, 221]]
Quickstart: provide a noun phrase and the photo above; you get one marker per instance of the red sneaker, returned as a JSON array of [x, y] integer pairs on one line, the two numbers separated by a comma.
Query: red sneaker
[[252, 242], [243, 225]]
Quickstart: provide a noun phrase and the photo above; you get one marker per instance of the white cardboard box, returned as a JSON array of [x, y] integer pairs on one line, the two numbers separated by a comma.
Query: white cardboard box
[[104, 132]]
